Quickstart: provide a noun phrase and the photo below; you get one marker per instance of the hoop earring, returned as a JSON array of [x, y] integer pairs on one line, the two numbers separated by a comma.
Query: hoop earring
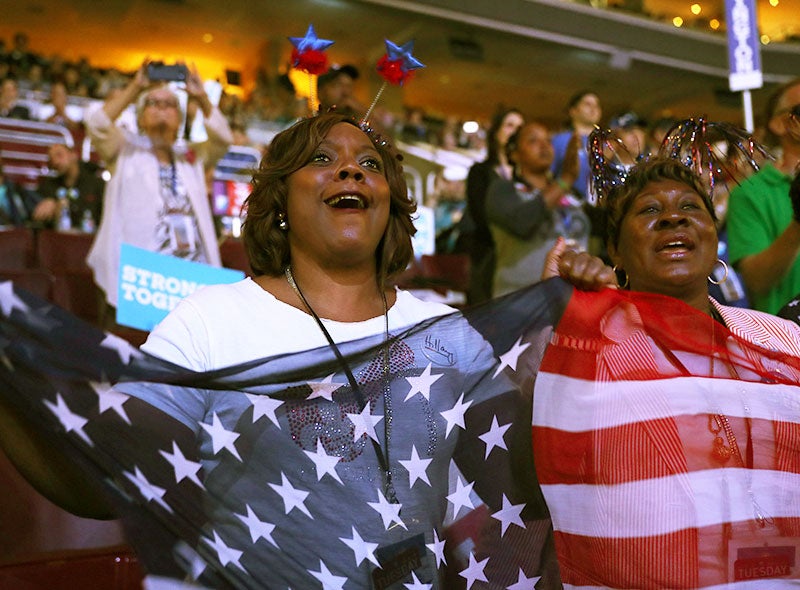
[[283, 225], [616, 269], [724, 276]]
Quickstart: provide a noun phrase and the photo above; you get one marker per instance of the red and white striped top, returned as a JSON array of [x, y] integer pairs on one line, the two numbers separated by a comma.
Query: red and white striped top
[[630, 397]]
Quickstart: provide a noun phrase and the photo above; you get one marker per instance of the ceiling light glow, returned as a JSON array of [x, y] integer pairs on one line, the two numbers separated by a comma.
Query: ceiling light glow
[[696, 8], [677, 21]]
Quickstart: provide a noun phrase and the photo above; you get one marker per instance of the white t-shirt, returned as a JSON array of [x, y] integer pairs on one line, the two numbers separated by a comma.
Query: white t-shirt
[[223, 325]]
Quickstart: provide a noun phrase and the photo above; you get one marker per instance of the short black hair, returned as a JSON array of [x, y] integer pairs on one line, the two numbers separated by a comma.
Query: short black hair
[[578, 96], [335, 72]]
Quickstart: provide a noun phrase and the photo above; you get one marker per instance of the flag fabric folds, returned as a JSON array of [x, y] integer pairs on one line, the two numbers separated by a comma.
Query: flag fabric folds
[[664, 450], [676, 444], [272, 474]]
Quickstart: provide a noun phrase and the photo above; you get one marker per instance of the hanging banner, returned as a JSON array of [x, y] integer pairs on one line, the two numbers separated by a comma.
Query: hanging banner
[[744, 49]]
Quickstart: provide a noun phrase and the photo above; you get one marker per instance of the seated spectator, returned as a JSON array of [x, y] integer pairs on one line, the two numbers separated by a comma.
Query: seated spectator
[[16, 203], [34, 80], [9, 95], [414, 128], [78, 186]]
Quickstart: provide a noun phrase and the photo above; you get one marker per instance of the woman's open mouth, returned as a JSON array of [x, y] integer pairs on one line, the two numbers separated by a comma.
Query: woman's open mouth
[[348, 201]]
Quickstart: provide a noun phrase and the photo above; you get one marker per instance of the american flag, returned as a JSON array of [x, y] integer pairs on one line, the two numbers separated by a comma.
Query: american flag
[[668, 445], [269, 474]]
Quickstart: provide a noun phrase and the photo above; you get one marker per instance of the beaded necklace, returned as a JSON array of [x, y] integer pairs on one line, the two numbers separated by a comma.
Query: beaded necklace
[[381, 453]]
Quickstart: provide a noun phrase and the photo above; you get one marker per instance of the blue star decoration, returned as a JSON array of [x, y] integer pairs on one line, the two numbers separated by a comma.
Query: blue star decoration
[[403, 54], [310, 41]]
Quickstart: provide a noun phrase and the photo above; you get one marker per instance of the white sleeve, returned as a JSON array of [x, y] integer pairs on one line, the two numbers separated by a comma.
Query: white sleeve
[[181, 338]]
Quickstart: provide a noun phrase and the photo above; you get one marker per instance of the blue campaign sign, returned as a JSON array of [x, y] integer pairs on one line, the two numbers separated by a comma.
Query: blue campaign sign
[[151, 284], [744, 47]]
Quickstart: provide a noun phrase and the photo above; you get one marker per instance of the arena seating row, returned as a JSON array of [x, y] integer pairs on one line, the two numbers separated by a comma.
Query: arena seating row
[[52, 265]]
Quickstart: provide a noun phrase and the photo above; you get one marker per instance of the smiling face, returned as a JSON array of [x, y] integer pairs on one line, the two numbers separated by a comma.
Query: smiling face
[[338, 202], [667, 242]]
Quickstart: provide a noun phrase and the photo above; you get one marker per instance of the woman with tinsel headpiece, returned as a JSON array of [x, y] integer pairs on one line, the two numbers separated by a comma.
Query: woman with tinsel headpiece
[[666, 426]]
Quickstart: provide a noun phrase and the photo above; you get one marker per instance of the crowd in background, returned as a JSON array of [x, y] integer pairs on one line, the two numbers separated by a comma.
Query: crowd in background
[[470, 219]]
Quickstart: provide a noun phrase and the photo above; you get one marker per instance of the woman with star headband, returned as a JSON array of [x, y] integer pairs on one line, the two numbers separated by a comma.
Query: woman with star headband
[[334, 429]]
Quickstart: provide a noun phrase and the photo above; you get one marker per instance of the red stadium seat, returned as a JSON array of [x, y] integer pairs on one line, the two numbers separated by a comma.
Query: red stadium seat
[[446, 271], [234, 256], [62, 251], [17, 249], [35, 280], [63, 254], [109, 568]]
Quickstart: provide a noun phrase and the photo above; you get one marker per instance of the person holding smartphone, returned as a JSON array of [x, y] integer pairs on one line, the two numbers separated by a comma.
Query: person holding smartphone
[[156, 198]]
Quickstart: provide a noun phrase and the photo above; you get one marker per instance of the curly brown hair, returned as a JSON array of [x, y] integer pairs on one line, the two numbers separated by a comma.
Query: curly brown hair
[[268, 246], [621, 198]]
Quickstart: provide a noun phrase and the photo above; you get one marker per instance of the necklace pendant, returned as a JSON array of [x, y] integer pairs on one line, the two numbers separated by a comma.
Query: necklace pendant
[[721, 452], [388, 488]]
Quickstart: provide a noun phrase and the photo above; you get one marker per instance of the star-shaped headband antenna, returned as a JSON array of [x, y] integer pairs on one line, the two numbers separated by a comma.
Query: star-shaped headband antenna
[[395, 67], [308, 56], [308, 43]]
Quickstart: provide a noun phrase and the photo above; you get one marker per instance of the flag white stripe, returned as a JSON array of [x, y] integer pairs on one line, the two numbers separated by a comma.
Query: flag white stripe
[[669, 504], [577, 405]]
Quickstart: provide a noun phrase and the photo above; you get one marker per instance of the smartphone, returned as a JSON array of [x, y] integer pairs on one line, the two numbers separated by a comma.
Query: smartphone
[[171, 73]]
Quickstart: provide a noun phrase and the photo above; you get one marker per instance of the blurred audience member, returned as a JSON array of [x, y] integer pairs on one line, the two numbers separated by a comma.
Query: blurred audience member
[[74, 197], [111, 78], [631, 130], [59, 100], [764, 214], [157, 197], [20, 57], [658, 131], [285, 106], [475, 236], [335, 88], [528, 213], [34, 80], [414, 128], [9, 95], [72, 79], [584, 115], [16, 203]]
